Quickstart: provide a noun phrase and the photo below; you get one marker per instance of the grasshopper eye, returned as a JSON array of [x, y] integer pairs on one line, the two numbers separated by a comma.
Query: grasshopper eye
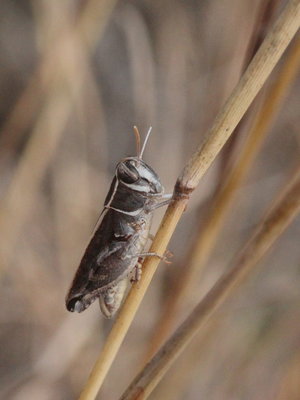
[[127, 172]]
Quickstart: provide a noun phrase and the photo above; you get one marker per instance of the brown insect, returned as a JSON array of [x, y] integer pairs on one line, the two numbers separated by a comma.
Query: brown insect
[[120, 236]]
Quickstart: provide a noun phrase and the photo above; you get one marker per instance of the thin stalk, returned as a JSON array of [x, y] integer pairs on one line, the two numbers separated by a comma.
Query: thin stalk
[[266, 12], [45, 137], [288, 387], [258, 71], [242, 96], [273, 225], [88, 30], [223, 201]]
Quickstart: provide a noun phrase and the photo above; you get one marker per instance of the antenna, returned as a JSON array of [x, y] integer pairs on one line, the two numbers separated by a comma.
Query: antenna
[[137, 140], [145, 142]]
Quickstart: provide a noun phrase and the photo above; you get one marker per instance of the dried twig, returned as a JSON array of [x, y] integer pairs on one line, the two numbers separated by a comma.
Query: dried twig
[[288, 386], [88, 31], [255, 76], [205, 242], [264, 20], [49, 127], [277, 220]]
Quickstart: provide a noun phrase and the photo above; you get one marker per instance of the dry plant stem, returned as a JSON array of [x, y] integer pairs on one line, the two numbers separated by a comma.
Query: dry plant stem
[[257, 73], [93, 20], [223, 201], [266, 15], [134, 298], [88, 31], [20, 116], [266, 11], [30, 172], [288, 387], [239, 101], [45, 137], [277, 220]]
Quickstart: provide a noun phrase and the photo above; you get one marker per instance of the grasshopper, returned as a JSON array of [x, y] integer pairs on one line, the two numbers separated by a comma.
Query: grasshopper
[[119, 239]]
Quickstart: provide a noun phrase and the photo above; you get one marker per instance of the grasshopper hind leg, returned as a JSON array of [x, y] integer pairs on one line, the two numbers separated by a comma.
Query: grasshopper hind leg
[[111, 299]]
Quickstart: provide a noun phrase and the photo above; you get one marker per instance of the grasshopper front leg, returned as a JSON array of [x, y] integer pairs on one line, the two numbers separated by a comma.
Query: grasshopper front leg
[[168, 199]]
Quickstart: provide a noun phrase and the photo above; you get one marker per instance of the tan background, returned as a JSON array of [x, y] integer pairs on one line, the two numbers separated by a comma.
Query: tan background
[[67, 108]]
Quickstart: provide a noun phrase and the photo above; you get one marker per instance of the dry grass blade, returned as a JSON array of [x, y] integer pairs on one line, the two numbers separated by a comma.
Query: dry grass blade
[[277, 220], [244, 93], [134, 298], [288, 387], [93, 20], [46, 135], [253, 79], [222, 203], [30, 170], [88, 30], [264, 20]]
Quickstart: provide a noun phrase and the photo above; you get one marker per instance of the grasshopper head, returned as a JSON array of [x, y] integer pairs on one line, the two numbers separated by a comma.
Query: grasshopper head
[[138, 176], [134, 173]]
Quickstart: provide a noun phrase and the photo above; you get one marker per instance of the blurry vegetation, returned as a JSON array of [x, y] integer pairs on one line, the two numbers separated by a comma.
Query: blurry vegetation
[[75, 76]]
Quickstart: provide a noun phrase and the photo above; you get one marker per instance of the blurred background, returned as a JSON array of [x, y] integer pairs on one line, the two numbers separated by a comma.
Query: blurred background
[[75, 76]]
